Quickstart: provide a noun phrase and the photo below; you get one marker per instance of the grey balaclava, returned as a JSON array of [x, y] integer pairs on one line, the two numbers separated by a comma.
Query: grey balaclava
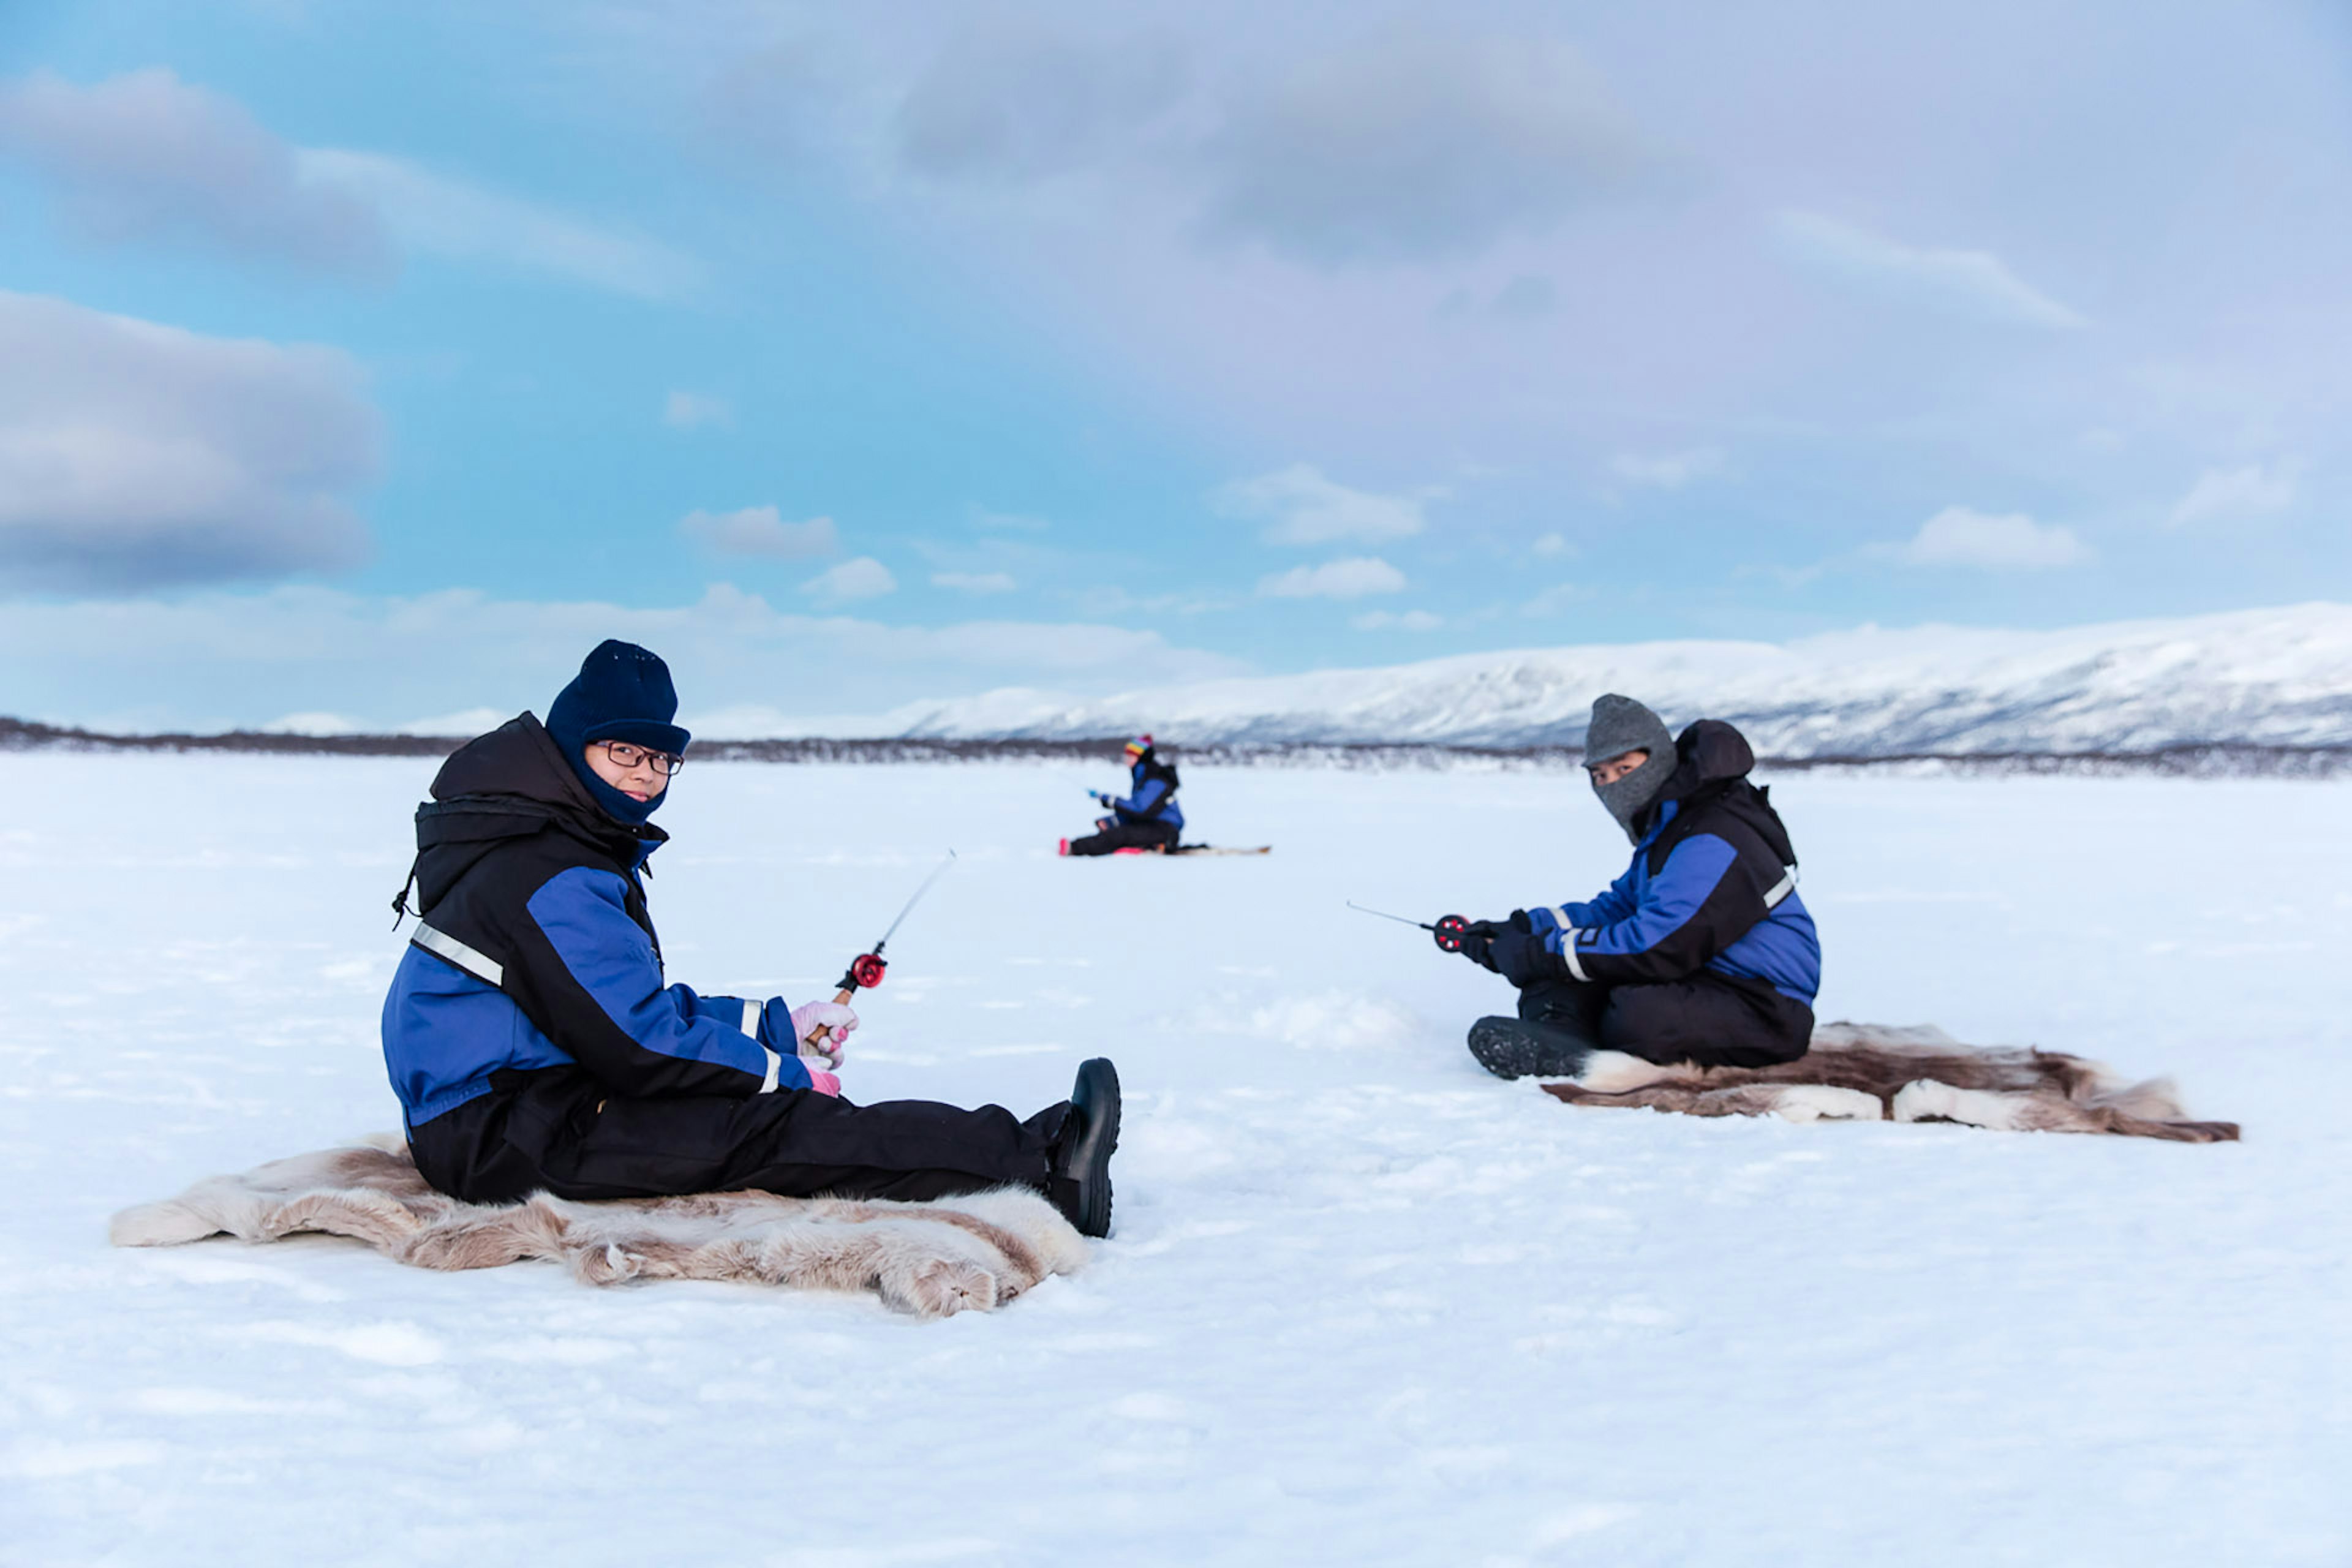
[[1621, 725]]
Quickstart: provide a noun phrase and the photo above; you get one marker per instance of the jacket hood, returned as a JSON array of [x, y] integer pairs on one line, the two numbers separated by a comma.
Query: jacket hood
[[510, 783], [1708, 753], [1712, 761]]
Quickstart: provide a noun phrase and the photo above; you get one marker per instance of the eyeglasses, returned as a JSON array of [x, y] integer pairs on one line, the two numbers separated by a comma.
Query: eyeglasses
[[626, 756]]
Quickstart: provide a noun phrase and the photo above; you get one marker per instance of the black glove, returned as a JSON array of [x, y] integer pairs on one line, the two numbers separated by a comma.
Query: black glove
[[1521, 958], [1479, 939]]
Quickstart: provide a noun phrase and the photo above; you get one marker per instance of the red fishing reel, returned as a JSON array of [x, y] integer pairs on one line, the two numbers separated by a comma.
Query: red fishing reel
[[1450, 932], [865, 972]]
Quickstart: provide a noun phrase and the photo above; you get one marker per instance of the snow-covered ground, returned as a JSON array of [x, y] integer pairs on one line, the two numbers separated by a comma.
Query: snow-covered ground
[[1365, 1304]]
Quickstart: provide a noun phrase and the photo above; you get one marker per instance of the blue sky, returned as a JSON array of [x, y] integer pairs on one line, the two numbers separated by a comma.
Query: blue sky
[[375, 360]]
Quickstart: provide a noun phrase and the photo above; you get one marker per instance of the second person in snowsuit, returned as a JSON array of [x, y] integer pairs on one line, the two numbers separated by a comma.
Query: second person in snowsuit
[[1702, 952], [1147, 817]]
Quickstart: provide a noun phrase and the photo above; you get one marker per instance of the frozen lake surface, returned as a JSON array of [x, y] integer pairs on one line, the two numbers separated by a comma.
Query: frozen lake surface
[[1364, 1303]]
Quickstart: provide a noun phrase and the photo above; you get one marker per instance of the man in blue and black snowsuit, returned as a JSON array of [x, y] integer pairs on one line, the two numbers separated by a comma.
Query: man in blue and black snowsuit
[[1146, 818], [1702, 952], [535, 1044]]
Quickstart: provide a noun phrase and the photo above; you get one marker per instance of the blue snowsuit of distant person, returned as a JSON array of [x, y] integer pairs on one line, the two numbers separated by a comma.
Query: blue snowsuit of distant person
[[1702, 952], [1146, 818]]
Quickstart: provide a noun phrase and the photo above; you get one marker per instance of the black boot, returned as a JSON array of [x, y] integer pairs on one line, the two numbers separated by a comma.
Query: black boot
[[1080, 1184], [1521, 1047]]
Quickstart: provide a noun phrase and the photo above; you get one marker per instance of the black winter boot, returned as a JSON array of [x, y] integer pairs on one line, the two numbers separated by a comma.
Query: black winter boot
[[1521, 1047], [1080, 1184]]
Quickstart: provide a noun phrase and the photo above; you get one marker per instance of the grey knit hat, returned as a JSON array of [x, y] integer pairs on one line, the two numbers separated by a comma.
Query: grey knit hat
[[1621, 725]]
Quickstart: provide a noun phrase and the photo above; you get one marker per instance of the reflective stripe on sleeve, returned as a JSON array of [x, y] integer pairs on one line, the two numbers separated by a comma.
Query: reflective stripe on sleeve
[[441, 944], [1568, 951], [775, 1065], [1781, 888], [1559, 913]]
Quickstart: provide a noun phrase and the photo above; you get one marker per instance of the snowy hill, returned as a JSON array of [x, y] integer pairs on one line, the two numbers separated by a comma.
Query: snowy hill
[[2279, 677]]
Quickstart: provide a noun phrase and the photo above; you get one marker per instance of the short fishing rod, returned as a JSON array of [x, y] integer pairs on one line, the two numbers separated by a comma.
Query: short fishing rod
[[865, 970], [1448, 931]]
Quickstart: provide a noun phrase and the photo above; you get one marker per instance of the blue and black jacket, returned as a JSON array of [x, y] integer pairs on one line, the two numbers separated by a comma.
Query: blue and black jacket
[[534, 965], [1153, 800], [1713, 885]]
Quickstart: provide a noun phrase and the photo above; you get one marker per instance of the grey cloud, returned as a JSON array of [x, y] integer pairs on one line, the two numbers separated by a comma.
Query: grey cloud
[[134, 456], [146, 157], [1012, 102], [1420, 145]]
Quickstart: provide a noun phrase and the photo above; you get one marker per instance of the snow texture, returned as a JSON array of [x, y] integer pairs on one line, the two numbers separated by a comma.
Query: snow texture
[[2259, 677], [1364, 1304]]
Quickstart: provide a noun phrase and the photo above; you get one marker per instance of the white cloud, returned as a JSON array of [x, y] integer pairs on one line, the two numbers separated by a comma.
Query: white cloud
[[135, 456], [1665, 471], [974, 582], [1958, 536], [861, 577], [692, 410], [1972, 283], [147, 157], [437, 215], [1302, 506], [1109, 599], [2232, 495], [1350, 579], [762, 531], [1553, 544], [211, 659], [1386, 620], [1419, 145]]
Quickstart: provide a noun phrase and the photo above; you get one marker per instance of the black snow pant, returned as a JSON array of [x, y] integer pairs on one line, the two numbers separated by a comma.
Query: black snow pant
[[558, 1131], [1126, 835], [1710, 1020]]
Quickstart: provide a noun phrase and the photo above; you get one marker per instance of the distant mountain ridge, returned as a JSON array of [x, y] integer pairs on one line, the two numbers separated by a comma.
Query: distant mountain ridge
[[2257, 690], [2279, 679]]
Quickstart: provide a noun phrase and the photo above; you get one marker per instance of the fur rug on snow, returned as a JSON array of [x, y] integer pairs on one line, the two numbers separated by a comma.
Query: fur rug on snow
[[1873, 1072], [931, 1259]]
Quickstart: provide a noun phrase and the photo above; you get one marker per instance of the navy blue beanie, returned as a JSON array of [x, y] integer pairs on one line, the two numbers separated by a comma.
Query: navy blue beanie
[[623, 693]]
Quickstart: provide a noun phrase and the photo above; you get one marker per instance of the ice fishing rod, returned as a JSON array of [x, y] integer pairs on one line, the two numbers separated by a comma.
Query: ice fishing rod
[[1447, 930], [865, 970]]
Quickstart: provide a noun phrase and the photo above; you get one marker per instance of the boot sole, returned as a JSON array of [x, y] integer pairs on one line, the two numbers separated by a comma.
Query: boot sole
[[1512, 1047], [1096, 1098]]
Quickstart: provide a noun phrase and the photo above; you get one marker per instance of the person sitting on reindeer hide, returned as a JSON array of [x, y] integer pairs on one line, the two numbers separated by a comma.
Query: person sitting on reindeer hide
[[536, 1044], [1702, 952], [1147, 819]]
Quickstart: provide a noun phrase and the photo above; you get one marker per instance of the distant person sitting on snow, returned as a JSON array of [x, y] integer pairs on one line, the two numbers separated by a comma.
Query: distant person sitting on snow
[[1702, 952], [1147, 818], [534, 1044]]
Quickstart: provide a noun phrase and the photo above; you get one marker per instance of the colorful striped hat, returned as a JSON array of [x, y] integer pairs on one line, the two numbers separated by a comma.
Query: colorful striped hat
[[1139, 745]]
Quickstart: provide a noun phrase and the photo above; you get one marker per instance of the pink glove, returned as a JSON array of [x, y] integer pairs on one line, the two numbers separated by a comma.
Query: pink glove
[[834, 1020], [825, 1083]]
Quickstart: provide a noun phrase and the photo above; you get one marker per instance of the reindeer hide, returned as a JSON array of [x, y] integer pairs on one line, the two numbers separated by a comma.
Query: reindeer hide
[[930, 1258], [1872, 1072]]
